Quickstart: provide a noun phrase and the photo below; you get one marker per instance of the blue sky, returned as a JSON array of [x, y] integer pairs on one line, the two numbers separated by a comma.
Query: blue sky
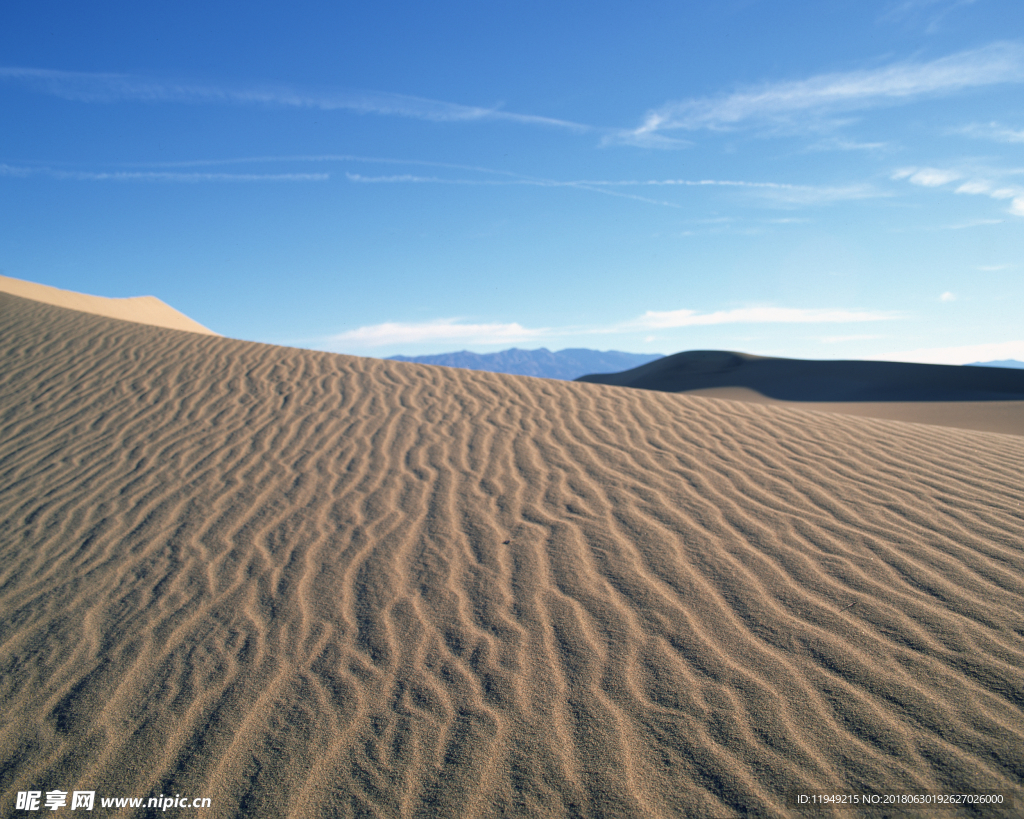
[[823, 179]]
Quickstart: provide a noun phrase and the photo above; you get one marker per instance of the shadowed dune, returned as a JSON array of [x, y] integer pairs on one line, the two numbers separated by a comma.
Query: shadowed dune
[[313, 585], [989, 399]]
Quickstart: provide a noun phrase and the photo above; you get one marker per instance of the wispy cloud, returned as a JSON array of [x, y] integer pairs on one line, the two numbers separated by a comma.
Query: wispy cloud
[[457, 331], [655, 319], [947, 296], [852, 90], [930, 12], [586, 185], [300, 159], [927, 177], [159, 176], [109, 87], [440, 330], [834, 143], [974, 183], [843, 339], [972, 223], [781, 192], [993, 131], [394, 178], [974, 186]]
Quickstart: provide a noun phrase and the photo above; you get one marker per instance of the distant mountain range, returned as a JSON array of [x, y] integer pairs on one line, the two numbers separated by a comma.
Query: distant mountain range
[[573, 364], [1006, 362], [564, 365]]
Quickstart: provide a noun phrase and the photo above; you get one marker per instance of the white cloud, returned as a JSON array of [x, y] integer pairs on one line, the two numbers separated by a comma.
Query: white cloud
[[455, 331], [408, 177], [840, 144], [756, 315], [585, 185], [381, 335], [980, 186], [779, 191], [947, 296], [977, 186], [972, 223], [957, 355], [993, 131], [840, 339], [100, 87], [933, 177], [900, 82]]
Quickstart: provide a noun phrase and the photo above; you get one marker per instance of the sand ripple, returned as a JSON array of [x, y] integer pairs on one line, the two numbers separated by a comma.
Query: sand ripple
[[313, 585]]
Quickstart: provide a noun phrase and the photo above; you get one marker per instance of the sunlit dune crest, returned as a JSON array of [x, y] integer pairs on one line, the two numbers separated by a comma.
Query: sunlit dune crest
[[141, 309]]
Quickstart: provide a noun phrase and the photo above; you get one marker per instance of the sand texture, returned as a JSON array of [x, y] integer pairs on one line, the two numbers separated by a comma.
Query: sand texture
[[1005, 417], [312, 585], [141, 309], [988, 399]]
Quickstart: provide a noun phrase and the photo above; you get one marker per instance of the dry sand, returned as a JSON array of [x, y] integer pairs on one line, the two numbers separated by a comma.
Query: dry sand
[[988, 399], [141, 309], [313, 585], [985, 416]]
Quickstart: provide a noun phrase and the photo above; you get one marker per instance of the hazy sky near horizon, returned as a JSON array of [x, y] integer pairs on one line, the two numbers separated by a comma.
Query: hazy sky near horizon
[[828, 179]]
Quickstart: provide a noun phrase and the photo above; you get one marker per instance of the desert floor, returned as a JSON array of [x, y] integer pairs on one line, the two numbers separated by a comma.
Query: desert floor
[[312, 585]]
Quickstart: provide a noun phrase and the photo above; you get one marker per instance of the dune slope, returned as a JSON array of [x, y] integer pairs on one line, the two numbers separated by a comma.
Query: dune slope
[[981, 398], [312, 585], [795, 379], [141, 309]]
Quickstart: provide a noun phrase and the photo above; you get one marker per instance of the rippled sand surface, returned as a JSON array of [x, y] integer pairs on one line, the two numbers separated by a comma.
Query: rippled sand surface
[[313, 585]]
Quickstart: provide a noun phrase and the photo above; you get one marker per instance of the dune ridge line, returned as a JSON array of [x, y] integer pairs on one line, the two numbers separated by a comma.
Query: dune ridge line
[[140, 309]]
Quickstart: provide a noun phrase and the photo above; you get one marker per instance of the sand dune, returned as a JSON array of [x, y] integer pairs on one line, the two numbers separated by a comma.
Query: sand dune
[[981, 398], [312, 585], [141, 309]]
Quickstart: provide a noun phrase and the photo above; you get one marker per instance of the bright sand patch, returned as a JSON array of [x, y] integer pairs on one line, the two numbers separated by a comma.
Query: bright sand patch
[[310, 585], [141, 309]]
